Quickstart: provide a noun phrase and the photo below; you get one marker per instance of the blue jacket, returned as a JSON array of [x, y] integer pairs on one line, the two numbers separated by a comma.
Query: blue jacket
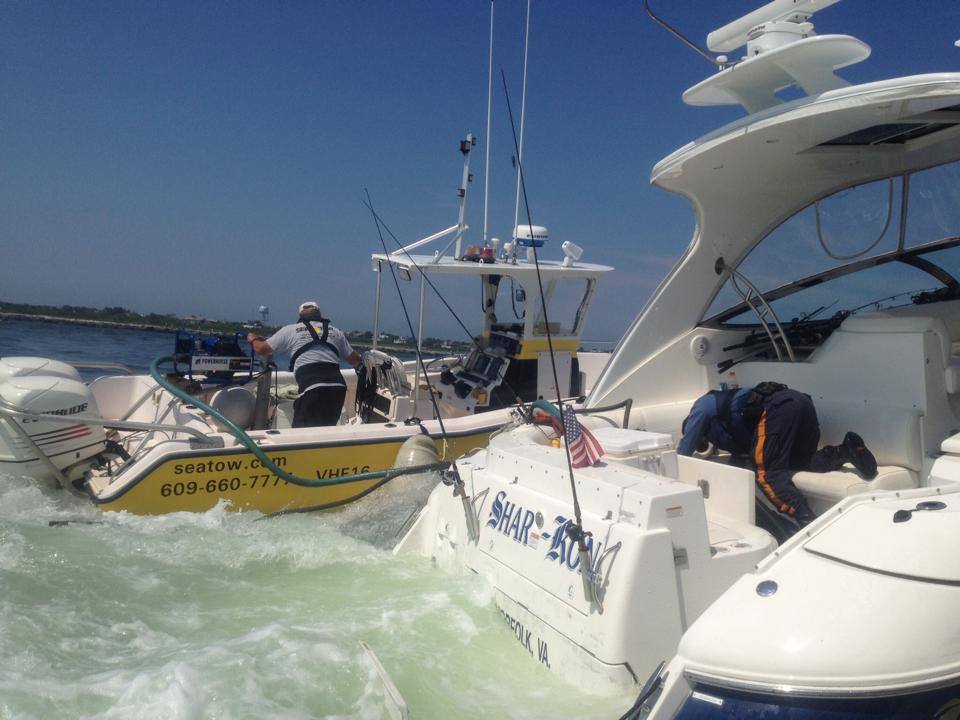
[[704, 422]]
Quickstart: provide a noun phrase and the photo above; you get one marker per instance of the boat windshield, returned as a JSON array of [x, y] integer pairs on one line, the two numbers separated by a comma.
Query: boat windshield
[[566, 302], [510, 307], [710, 703], [884, 244]]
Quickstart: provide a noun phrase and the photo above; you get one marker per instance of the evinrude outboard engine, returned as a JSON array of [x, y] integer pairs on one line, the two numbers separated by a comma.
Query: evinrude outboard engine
[[40, 385]]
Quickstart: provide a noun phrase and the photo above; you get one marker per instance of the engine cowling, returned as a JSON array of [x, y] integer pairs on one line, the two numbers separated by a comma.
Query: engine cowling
[[23, 366], [69, 444]]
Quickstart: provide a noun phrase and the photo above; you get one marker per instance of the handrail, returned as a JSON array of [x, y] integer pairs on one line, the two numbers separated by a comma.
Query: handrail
[[103, 366], [423, 241], [762, 312], [42, 456], [112, 424], [626, 404], [136, 405]]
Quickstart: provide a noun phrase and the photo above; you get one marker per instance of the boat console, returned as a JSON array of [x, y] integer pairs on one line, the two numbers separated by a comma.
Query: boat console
[[473, 383]]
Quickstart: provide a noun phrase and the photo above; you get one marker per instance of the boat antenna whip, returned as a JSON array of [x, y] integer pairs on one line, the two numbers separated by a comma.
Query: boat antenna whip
[[720, 62], [451, 475], [486, 143], [575, 530], [518, 147]]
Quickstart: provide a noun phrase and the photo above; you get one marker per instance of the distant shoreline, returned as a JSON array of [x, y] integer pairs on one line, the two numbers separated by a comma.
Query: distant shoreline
[[161, 328], [85, 321]]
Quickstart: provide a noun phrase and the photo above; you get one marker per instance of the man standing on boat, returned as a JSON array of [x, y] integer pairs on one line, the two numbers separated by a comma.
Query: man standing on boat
[[315, 348]]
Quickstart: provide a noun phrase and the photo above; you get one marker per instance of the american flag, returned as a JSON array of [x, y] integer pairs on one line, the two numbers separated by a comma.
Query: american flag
[[584, 448]]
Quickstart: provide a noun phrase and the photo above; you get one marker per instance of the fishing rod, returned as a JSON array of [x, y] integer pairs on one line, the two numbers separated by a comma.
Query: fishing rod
[[406, 315], [452, 474], [518, 150], [812, 331], [575, 531], [486, 167]]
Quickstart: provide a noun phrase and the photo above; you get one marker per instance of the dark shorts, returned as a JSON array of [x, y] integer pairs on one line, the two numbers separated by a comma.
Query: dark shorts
[[319, 407]]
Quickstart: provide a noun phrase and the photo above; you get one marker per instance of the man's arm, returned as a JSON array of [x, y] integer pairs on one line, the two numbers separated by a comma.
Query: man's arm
[[696, 424], [354, 359], [260, 346]]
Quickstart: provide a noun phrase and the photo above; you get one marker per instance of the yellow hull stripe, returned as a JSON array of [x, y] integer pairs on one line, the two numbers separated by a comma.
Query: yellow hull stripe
[[196, 482]]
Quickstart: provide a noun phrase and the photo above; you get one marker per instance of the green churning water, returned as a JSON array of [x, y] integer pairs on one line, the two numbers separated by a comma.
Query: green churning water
[[224, 615], [227, 615]]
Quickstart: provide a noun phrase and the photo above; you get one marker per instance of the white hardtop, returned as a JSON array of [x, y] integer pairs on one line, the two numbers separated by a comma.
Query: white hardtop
[[753, 83], [747, 178], [522, 269], [859, 605]]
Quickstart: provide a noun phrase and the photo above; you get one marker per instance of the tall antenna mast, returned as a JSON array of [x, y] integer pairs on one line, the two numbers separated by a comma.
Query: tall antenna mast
[[523, 116], [486, 167]]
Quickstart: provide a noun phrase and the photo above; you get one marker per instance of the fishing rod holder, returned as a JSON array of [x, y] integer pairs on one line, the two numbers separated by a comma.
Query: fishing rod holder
[[451, 477], [591, 568]]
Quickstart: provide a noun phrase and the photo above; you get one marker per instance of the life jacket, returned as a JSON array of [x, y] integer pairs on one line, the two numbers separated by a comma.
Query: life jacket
[[757, 400], [318, 341], [318, 373], [749, 412]]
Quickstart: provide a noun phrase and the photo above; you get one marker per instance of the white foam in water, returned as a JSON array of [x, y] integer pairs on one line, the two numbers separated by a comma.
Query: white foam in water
[[173, 693], [233, 615], [380, 517]]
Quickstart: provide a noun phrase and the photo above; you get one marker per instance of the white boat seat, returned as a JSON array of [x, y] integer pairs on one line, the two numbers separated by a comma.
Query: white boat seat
[[724, 530], [891, 433], [663, 418], [824, 490], [880, 322]]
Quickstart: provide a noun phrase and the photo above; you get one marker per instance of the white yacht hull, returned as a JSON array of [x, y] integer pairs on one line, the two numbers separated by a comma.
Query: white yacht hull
[[658, 554]]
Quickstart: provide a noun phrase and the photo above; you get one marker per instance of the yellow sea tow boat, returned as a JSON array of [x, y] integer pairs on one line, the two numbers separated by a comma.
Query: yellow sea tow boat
[[215, 429]]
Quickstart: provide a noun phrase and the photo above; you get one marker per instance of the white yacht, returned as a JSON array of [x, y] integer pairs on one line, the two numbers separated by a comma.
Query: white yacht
[[826, 256]]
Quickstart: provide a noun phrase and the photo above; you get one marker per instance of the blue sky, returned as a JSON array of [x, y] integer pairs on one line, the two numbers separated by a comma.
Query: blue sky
[[209, 157]]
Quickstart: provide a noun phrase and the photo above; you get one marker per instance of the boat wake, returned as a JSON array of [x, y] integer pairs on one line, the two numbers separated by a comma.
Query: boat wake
[[382, 517]]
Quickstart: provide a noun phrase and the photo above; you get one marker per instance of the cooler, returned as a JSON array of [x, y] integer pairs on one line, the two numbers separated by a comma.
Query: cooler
[[649, 451]]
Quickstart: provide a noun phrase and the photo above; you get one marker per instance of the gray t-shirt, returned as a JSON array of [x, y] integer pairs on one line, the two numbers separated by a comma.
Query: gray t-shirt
[[290, 338]]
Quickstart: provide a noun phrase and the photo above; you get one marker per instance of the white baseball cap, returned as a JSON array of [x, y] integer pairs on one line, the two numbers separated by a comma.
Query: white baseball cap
[[309, 305]]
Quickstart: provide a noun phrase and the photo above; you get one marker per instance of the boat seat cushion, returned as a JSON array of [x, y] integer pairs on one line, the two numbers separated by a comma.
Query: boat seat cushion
[[887, 323], [723, 530], [824, 490], [663, 418], [892, 434]]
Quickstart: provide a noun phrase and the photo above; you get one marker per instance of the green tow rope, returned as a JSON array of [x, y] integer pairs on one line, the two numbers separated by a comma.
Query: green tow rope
[[266, 462]]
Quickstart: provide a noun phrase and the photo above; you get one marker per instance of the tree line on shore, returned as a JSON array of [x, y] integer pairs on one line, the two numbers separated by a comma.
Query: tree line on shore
[[169, 321]]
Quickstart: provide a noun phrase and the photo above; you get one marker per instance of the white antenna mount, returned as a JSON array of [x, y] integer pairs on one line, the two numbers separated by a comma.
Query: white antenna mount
[[786, 20], [782, 52]]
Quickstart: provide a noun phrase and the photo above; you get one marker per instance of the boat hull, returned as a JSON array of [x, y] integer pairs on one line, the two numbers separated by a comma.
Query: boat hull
[[197, 480]]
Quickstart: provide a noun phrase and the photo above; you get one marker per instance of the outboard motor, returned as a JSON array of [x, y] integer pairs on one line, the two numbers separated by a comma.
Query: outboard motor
[[39, 385], [24, 366]]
